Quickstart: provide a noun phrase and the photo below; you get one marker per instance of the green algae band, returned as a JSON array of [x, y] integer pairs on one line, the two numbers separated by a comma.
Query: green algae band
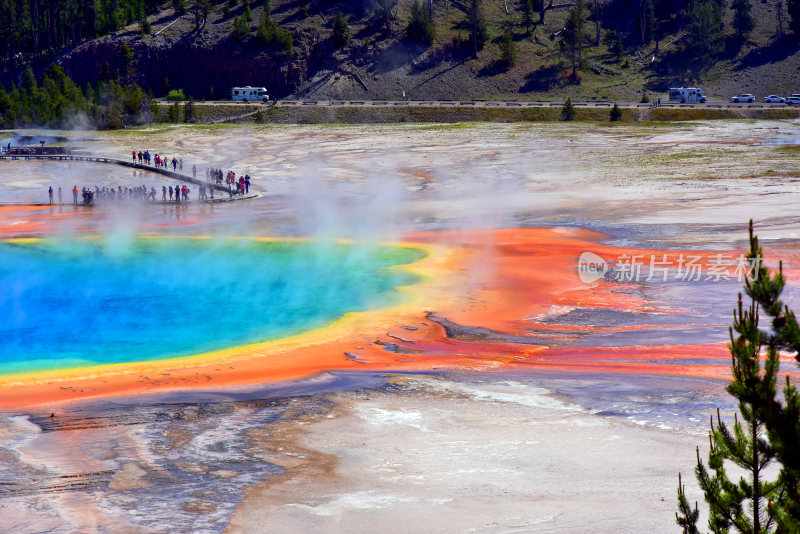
[[92, 302]]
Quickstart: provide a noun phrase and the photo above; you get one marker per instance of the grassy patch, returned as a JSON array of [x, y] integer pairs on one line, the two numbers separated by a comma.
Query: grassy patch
[[788, 149], [453, 126], [771, 173], [462, 117], [777, 114], [691, 114]]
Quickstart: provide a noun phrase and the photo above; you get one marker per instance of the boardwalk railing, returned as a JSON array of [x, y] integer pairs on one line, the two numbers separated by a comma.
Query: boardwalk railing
[[115, 161]]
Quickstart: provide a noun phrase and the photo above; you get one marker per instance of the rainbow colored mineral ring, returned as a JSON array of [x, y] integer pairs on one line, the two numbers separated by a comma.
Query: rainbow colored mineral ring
[[101, 317]]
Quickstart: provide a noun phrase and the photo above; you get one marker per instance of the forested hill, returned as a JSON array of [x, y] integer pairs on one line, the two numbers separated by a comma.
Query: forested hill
[[114, 50]]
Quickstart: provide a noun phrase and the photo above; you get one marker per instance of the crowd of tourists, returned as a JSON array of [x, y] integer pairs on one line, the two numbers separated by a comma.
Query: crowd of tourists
[[162, 162], [236, 186], [180, 193], [89, 195]]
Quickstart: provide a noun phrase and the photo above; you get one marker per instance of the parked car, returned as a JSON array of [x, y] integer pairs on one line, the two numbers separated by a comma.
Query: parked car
[[793, 100], [774, 99], [743, 98]]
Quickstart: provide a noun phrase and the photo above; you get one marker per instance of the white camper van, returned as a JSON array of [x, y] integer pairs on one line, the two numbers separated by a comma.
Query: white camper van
[[249, 94], [686, 95]]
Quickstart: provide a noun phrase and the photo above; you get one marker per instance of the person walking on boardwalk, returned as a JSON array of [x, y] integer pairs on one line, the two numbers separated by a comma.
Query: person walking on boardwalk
[[133, 155], [170, 193], [59, 194], [163, 193], [75, 195], [247, 183], [180, 164], [50, 193], [174, 164]]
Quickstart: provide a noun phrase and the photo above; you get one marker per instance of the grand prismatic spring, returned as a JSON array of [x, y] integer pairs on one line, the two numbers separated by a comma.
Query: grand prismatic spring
[[394, 335]]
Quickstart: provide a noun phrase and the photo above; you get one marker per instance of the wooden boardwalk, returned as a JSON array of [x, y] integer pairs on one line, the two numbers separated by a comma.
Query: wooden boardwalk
[[179, 176]]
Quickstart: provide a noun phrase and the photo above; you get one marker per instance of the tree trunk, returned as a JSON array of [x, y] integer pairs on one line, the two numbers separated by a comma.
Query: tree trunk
[[35, 25], [573, 50], [52, 39], [474, 15], [756, 492], [643, 19], [597, 22]]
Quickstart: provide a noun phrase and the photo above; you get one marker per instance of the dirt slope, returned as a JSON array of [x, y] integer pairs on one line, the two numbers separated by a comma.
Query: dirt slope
[[380, 63]]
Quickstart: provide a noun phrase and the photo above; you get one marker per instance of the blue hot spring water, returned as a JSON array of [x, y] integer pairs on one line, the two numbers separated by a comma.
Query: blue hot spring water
[[70, 303]]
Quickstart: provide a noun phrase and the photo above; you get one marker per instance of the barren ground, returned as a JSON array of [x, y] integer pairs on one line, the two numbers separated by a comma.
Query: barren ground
[[478, 451]]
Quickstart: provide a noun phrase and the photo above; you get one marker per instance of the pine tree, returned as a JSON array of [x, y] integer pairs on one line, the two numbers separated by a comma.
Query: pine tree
[[686, 517], [420, 27], [771, 505], [479, 30], [613, 41], [615, 114], [341, 31], [508, 51], [597, 18], [756, 386], [528, 9], [201, 9], [706, 38], [729, 502], [241, 29], [743, 21], [650, 23], [573, 34], [269, 33], [568, 111], [188, 111]]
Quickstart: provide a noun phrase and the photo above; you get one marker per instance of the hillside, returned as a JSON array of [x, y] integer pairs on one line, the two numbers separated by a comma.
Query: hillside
[[205, 59]]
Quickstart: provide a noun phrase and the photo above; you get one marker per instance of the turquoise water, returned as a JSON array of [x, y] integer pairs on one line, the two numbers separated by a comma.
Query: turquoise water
[[74, 303]]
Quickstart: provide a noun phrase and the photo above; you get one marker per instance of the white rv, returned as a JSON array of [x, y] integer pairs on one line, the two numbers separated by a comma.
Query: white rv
[[686, 95], [249, 94]]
